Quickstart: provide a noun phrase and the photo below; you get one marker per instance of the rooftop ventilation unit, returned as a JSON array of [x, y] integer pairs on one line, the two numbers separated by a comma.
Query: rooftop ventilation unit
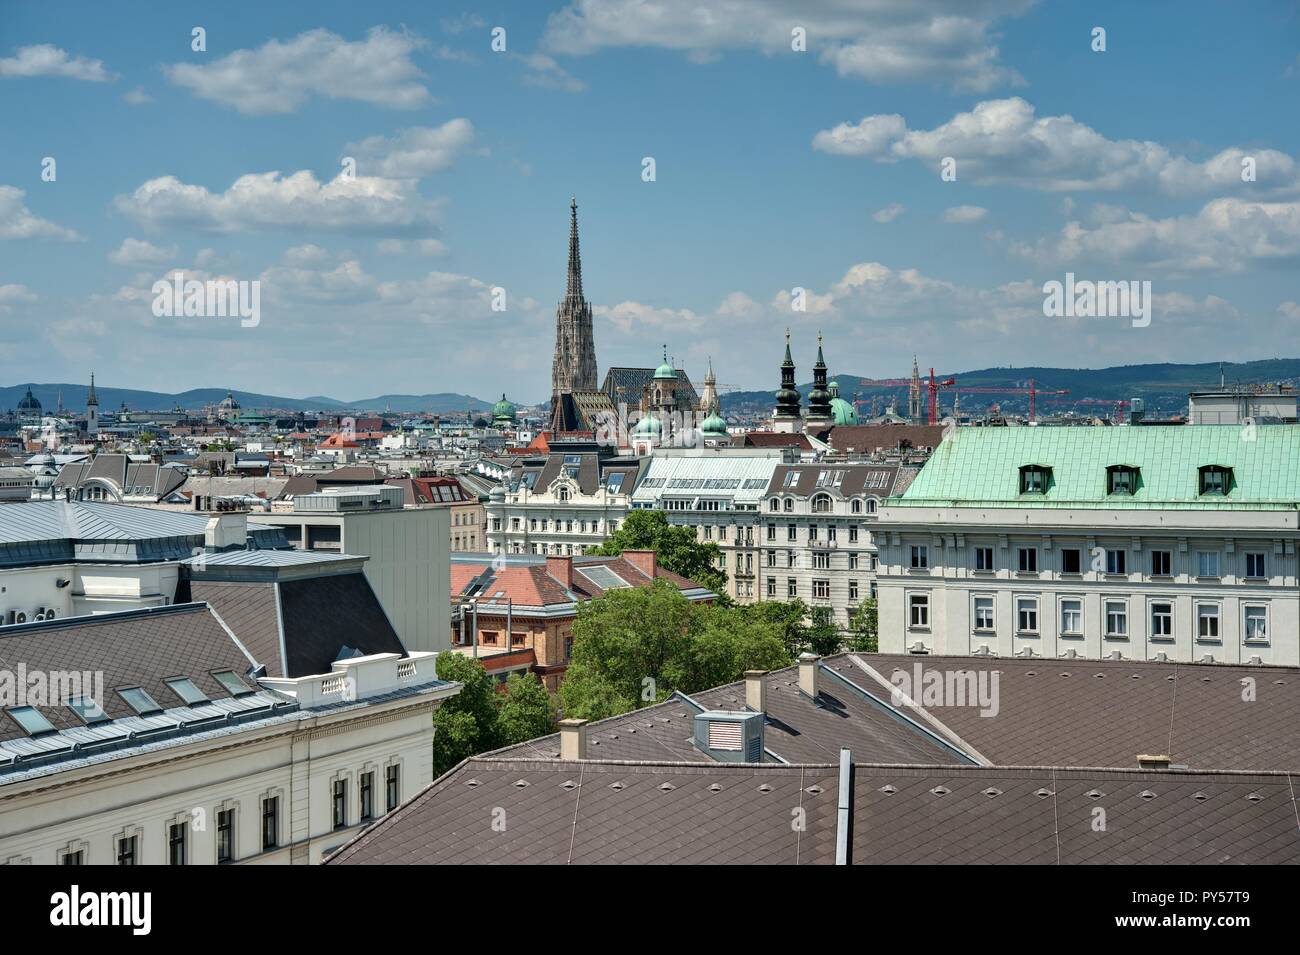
[[730, 737]]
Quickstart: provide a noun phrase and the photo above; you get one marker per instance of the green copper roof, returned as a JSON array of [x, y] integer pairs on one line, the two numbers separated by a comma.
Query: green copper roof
[[714, 425], [980, 467], [843, 412]]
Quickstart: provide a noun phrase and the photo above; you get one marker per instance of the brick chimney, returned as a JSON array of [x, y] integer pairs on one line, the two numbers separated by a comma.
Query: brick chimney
[[756, 690], [573, 739], [561, 568], [646, 561]]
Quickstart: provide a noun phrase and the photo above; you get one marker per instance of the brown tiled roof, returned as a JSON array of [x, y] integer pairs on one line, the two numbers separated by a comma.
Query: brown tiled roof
[[531, 585], [870, 438], [249, 610], [776, 439], [138, 648], [869, 479], [647, 813]]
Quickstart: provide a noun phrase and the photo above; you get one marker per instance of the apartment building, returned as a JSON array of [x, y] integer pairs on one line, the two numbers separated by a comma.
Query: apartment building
[[716, 492], [818, 524], [1134, 543], [466, 513], [561, 503], [153, 736]]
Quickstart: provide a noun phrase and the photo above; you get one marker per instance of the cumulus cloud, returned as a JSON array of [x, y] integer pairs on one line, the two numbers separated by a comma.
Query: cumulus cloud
[[137, 97], [1003, 142], [543, 71], [12, 294], [1226, 235], [139, 252], [964, 215], [429, 247], [366, 205], [414, 152], [44, 59], [19, 222], [885, 41], [278, 77], [889, 213]]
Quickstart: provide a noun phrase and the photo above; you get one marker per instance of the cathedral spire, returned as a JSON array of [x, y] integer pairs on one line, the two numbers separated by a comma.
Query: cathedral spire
[[90, 396], [573, 289]]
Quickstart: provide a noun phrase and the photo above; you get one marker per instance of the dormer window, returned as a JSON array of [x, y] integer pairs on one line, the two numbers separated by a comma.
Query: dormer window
[[1121, 479], [1215, 480], [1034, 479]]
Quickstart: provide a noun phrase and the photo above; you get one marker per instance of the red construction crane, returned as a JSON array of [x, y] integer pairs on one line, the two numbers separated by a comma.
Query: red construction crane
[[932, 386], [1119, 406], [1033, 391]]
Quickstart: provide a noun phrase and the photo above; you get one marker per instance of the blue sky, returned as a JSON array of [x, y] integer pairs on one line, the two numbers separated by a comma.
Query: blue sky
[[775, 169]]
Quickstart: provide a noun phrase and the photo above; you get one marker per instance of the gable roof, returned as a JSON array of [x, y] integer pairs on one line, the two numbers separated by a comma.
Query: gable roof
[[977, 467]]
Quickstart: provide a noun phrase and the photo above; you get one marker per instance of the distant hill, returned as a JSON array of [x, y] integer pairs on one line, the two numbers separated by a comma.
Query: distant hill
[[1163, 386], [74, 399]]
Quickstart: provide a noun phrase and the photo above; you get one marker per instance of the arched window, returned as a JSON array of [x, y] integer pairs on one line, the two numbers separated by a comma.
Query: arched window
[[821, 504], [856, 506], [562, 494], [871, 506], [774, 505], [789, 504]]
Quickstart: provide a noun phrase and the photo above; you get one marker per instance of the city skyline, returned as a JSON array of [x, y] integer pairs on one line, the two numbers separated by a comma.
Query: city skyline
[[774, 170]]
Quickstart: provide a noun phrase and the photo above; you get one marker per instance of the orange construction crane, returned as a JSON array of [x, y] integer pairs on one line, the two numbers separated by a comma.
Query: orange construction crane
[[1033, 391], [932, 386]]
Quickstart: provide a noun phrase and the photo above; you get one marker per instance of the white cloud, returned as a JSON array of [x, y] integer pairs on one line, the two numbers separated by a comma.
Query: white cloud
[[1225, 235], [12, 294], [543, 71], [18, 222], [137, 97], [44, 59], [139, 252], [884, 41], [889, 213], [964, 215], [1290, 311], [278, 77], [413, 152], [1003, 142], [268, 201], [429, 247]]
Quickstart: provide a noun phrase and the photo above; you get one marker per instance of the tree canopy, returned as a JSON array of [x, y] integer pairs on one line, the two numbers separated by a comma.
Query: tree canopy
[[675, 547], [479, 718]]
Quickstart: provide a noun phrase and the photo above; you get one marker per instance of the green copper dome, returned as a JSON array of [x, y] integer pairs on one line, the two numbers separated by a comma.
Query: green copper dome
[[665, 371], [713, 426], [843, 412], [647, 427], [504, 409]]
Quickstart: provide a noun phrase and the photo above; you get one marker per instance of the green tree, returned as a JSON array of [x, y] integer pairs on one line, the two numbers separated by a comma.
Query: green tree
[[634, 646], [525, 710], [465, 724], [789, 616], [864, 631], [824, 637], [676, 548]]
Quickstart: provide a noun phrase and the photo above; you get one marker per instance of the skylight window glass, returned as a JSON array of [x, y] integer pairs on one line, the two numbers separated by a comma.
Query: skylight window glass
[[232, 683], [184, 688], [89, 710], [31, 720], [139, 700]]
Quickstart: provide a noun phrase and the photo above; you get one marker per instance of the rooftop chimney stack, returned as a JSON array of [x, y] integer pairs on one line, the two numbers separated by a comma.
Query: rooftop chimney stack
[[756, 690], [808, 663], [561, 568], [646, 561], [573, 739]]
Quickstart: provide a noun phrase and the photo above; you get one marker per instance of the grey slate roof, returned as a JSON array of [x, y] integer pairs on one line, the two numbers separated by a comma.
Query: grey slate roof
[[647, 813]]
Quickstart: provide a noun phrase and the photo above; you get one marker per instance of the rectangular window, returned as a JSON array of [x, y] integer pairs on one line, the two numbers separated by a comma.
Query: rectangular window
[[1071, 560], [1161, 561], [919, 605], [791, 587], [367, 790], [1256, 623], [1207, 621], [771, 532], [983, 613], [812, 532], [821, 560], [1255, 567], [853, 535], [1207, 563], [1027, 614], [340, 803], [1028, 557], [853, 560], [72, 858], [1116, 618], [771, 558], [821, 589], [1072, 616], [392, 786], [771, 587], [853, 590], [983, 558], [176, 843], [270, 823], [791, 532], [1162, 620], [920, 557], [225, 835], [1116, 562], [127, 848]]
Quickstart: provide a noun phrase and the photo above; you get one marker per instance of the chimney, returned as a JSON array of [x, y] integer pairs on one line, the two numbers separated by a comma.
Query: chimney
[[1152, 762], [645, 561], [756, 690], [226, 530], [808, 673], [573, 739], [561, 568]]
